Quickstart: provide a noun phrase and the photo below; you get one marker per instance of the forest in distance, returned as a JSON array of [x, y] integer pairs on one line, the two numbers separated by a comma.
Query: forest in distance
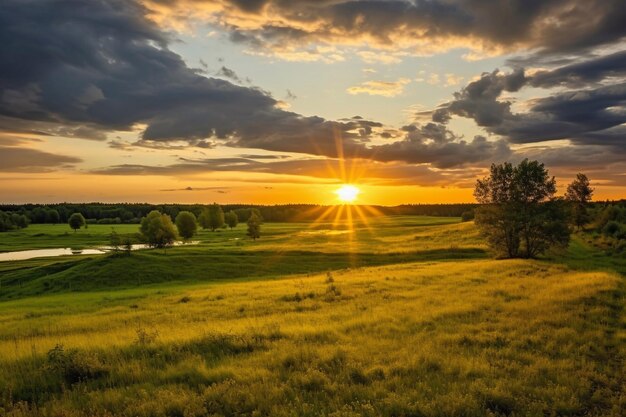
[[112, 213]]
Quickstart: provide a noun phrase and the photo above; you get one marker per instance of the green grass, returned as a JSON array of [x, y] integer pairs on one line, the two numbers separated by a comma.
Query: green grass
[[287, 248], [44, 236], [415, 320]]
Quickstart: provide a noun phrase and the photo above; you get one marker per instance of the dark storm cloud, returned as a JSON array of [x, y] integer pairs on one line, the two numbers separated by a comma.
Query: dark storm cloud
[[16, 159], [591, 114], [76, 68], [544, 25], [577, 115], [433, 143], [41, 128], [82, 68], [580, 74], [102, 64], [478, 100]]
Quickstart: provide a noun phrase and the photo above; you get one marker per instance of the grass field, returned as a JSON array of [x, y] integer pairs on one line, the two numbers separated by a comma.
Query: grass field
[[44, 236], [407, 317]]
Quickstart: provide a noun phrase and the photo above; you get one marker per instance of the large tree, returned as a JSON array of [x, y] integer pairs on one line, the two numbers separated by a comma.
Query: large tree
[[519, 216], [186, 224], [579, 193], [76, 221], [158, 229]]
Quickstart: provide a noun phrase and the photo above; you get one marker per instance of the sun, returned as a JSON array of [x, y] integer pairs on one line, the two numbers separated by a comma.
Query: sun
[[347, 193]]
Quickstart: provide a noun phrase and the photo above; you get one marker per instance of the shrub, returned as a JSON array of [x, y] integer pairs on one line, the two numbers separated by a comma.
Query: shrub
[[467, 216], [74, 366], [611, 228]]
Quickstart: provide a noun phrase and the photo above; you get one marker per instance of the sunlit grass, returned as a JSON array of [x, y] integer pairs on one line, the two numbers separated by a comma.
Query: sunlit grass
[[472, 337]]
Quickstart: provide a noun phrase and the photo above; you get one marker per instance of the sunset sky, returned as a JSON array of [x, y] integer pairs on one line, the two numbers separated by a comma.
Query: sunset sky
[[277, 101]]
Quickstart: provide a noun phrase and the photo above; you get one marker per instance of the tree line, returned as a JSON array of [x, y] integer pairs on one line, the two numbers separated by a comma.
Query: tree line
[[129, 213]]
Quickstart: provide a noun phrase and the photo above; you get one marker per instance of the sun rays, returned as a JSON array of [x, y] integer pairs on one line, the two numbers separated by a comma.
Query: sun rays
[[349, 171]]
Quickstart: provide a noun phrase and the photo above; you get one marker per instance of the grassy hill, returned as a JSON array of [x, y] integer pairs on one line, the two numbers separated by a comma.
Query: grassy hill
[[406, 317]]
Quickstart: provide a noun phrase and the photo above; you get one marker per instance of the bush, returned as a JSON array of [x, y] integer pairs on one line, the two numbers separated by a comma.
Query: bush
[[611, 228], [107, 220], [12, 221], [75, 366], [467, 216]]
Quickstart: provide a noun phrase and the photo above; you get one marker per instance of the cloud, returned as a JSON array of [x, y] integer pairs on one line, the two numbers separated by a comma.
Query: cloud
[[103, 66], [322, 169], [586, 114], [216, 189], [17, 159], [290, 95], [419, 27], [380, 88], [430, 78], [45, 128], [433, 143], [229, 73], [453, 79], [84, 69], [106, 66], [589, 114], [371, 57], [581, 74]]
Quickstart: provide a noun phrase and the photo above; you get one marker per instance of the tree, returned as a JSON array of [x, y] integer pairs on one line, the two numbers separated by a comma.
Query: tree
[[203, 218], [76, 221], [7, 222], [254, 226], [519, 215], [38, 215], [212, 217], [186, 224], [579, 194], [231, 219], [158, 229], [19, 220], [52, 216]]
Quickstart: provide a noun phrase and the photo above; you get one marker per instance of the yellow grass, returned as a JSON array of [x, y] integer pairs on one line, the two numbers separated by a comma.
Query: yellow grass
[[464, 338]]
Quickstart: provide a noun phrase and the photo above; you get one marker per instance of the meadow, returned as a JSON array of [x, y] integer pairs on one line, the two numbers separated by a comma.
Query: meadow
[[400, 316]]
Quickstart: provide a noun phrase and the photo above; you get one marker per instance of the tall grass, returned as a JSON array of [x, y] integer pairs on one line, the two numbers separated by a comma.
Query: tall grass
[[398, 334], [468, 338]]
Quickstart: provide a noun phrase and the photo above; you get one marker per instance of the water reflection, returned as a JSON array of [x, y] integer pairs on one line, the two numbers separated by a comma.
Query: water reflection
[[44, 253]]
